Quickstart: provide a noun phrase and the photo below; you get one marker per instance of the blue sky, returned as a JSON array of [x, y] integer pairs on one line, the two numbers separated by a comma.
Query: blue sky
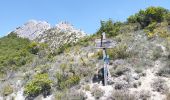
[[83, 14]]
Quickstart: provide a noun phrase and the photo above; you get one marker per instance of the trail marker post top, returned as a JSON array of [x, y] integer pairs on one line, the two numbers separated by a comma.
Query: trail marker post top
[[103, 42]]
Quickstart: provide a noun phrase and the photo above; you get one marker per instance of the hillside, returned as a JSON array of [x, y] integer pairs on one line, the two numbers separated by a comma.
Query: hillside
[[61, 63]]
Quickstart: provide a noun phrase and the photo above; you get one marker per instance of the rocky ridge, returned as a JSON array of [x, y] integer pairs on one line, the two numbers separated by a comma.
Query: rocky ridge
[[32, 29], [61, 34]]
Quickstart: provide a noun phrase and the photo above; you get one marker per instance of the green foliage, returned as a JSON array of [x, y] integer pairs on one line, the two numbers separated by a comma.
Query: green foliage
[[151, 26], [167, 17], [110, 28], [40, 84], [33, 48], [13, 52], [119, 52], [119, 70], [7, 90], [150, 29], [85, 41], [148, 16], [62, 48], [70, 95], [67, 81]]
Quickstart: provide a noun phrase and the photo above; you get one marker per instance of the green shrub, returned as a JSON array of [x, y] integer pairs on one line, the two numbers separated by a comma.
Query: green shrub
[[119, 52], [151, 26], [13, 52], [98, 55], [148, 16], [110, 28], [118, 71], [62, 48], [7, 90], [40, 84], [70, 95], [65, 82], [167, 17], [33, 48]]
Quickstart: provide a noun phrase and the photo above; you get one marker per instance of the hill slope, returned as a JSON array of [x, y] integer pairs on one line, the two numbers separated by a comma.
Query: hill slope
[[139, 67]]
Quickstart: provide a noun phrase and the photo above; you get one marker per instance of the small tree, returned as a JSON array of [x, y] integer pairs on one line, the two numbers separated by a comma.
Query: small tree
[[40, 84]]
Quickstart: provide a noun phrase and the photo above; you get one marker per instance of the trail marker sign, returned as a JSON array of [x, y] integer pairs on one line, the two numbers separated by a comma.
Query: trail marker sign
[[104, 43]]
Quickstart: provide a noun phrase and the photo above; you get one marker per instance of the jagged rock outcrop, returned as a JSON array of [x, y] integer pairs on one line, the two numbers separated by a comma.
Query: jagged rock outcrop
[[32, 29], [60, 34]]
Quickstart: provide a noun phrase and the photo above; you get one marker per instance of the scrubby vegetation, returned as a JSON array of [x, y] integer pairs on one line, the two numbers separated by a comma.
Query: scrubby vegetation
[[14, 52], [7, 90], [72, 66], [66, 81], [122, 95], [97, 92], [159, 85], [119, 52], [109, 27], [40, 84], [147, 19], [149, 16]]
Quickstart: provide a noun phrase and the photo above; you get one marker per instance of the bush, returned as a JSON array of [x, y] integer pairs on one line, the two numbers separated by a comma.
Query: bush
[[119, 52], [148, 16], [62, 48], [65, 81], [151, 26], [7, 90], [167, 17], [159, 85], [13, 52], [87, 87], [122, 95], [164, 71], [40, 84], [33, 48], [70, 95], [120, 70], [97, 92], [110, 28], [157, 53]]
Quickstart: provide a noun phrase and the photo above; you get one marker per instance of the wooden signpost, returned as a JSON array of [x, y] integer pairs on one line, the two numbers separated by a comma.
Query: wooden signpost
[[104, 43]]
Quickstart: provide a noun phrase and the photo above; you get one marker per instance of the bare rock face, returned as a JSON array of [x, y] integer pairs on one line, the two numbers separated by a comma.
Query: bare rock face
[[32, 29], [61, 34]]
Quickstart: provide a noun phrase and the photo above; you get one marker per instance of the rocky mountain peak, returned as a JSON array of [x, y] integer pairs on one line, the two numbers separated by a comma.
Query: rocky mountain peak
[[62, 33], [32, 29], [65, 26]]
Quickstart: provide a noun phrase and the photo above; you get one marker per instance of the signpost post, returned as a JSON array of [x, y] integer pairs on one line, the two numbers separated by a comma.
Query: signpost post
[[103, 43]]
